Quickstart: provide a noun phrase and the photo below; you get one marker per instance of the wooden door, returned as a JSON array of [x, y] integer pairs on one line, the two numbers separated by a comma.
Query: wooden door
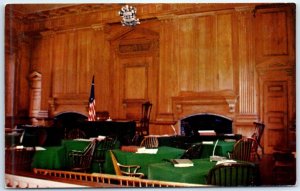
[[275, 102]]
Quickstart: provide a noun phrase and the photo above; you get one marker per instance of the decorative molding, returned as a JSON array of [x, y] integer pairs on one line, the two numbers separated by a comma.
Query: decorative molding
[[35, 79], [59, 105], [246, 9], [220, 102], [49, 33], [98, 27]]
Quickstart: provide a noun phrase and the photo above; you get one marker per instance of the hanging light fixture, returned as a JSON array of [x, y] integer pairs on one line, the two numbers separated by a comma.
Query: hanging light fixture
[[128, 14]]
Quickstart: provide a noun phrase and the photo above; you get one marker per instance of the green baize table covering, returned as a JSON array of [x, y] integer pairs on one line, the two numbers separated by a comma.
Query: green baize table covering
[[57, 158], [166, 171], [51, 158], [222, 148], [144, 160]]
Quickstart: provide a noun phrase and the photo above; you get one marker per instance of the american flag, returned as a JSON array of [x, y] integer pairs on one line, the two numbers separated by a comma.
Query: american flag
[[92, 103]]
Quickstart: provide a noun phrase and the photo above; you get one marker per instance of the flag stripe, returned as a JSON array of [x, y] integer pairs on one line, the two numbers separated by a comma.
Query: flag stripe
[[92, 104]]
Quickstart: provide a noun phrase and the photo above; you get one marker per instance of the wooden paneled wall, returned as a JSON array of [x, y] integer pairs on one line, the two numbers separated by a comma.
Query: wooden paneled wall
[[185, 59]]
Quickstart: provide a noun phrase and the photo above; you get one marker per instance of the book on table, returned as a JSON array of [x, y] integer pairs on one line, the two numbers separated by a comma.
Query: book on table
[[182, 162]]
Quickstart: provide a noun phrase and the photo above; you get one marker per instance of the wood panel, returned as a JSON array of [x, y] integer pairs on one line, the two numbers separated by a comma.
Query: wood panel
[[206, 50], [198, 48], [168, 73], [275, 114], [224, 51], [275, 63], [275, 42]]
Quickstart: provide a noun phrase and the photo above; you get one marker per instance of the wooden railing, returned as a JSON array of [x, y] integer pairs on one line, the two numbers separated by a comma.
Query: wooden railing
[[17, 181], [108, 179]]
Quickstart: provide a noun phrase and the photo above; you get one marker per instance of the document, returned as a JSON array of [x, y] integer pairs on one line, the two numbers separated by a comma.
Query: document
[[182, 162], [147, 151]]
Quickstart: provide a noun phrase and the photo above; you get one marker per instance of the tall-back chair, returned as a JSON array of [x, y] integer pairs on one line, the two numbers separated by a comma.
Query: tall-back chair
[[102, 148], [81, 160], [145, 119], [242, 149], [149, 142], [257, 135], [142, 127]]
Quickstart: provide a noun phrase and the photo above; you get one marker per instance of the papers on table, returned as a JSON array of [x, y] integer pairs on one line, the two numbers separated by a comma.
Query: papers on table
[[37, 148], [207, 142], [182, 162], [207, 132], [230, 134], [40, 148], [227, 161], [216, 158], [99, 138], [146, 151], [82, 140], [229, 140]]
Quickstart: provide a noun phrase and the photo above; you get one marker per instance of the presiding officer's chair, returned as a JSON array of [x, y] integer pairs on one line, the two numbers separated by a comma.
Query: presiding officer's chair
[[142, 127]]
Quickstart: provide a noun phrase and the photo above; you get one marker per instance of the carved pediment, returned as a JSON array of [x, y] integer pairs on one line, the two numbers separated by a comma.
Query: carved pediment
[[134, 33], [137, 40]]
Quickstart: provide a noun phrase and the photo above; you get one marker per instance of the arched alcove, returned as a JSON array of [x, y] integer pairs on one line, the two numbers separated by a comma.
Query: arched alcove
[[190, 125]]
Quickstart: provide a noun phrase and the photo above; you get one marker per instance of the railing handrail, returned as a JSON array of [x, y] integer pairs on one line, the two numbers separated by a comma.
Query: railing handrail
[[111, 179]]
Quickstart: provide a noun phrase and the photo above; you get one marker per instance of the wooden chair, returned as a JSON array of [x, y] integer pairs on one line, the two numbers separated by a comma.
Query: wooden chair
[[234, 174], [76, 133], [81, 160], [101, 149], [258, 132], [143, 126], [149, 142], [125, 170], [194, 152], [242, 149]]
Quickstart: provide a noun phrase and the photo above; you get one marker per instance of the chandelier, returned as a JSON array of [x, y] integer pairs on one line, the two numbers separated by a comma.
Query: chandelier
[[128, 14]]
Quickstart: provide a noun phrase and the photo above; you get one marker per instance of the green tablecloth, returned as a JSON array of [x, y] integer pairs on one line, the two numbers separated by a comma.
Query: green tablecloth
[[51, 158], [144, 160], [167, 172], [58, 157], [222, 149]]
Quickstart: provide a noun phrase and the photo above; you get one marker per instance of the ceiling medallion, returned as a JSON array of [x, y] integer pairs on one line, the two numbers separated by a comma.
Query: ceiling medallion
[[128, 14]]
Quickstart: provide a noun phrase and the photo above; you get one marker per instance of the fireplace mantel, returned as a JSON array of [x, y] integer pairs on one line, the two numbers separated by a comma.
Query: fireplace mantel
[[219, 102]]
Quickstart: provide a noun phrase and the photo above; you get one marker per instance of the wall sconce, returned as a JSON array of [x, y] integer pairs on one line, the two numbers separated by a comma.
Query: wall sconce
[[128, 14]]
